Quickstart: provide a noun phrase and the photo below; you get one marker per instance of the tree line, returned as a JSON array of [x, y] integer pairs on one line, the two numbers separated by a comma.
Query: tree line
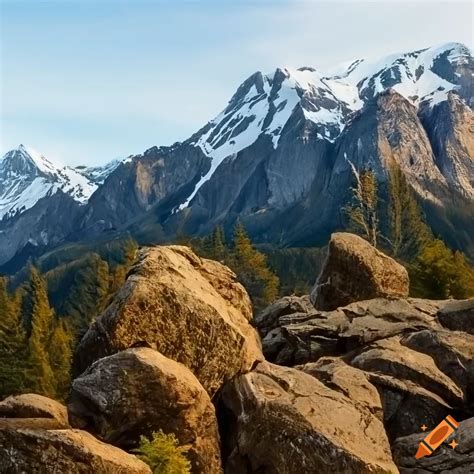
[[392, 220]]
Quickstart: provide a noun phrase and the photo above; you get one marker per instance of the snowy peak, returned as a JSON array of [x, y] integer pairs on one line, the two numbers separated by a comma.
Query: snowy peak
[[26, 176], [98, 174], [25, 161], [426, 74], [264, 102]]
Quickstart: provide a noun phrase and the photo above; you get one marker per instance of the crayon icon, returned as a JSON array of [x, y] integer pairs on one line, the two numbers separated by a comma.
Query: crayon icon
[[434, 439]]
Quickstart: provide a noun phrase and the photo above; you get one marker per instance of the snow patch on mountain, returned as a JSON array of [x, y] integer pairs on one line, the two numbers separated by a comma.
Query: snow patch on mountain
[[26, 176], [264, 103]]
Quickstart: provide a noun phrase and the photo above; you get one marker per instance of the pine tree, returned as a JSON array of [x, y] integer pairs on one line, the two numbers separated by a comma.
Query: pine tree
[[60, 356], [40, 319], [252, 270], [218, 244], [13, 345], [408, 231], [439, 273], [362, 212]]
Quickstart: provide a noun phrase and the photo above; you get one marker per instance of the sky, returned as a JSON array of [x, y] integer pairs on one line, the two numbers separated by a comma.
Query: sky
[[88, 81]]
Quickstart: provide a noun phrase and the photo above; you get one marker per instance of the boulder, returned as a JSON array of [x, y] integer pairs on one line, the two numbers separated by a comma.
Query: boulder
[[390, 357], [63, 451], [139, 391], [351, 382], [406, 405], [31, 405], [453, 352], [192, 310], [445, 459], [304, 337], [268, 319], [354, 270], [458, 315], [282, 420]]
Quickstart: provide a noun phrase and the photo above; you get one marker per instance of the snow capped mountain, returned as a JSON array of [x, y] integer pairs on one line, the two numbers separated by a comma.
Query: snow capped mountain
[[26, 176], [98, 174], [264, 103]]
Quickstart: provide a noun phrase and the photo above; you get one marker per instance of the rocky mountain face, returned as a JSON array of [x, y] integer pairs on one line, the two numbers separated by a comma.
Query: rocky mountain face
[[288, 144], [348, 389], [40, 200]]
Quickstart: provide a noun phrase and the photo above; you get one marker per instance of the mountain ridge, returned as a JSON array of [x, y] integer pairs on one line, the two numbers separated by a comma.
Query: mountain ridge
[[280, 144]]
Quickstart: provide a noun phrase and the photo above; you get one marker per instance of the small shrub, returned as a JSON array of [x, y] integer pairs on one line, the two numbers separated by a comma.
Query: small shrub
[[163, 454]]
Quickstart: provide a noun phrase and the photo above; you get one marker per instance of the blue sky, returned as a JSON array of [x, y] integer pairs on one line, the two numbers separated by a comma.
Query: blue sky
[[88, 81]]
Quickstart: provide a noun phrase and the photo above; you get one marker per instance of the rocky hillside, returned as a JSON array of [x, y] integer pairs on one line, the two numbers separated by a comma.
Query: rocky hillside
[[288, 143], [343, 380]]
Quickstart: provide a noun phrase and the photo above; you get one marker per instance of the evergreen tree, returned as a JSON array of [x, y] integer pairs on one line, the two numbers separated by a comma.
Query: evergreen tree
[[252, 270], [13, 348], [362, 212], [60, 356], [408, 230], [218, 244], [40, 319], [439, 273]]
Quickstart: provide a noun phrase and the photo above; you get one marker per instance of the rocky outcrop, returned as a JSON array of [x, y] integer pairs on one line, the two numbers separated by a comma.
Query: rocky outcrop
[[192, 310], [139, 391], [283, 420], [305, 336], [445, 459], [458, 315], [63, 451], [355, 271], [31, 405]]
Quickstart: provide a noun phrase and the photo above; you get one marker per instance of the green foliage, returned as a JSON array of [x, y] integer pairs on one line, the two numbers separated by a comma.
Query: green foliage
[[296, 268], [163, 454], [79, 289], [39, 318], [362, 212], [249, 264], [13, 344], [60, 357], [440, 273], [408, 230]]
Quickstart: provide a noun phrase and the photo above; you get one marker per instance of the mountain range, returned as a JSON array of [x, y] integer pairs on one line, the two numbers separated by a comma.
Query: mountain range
[[280, 157]]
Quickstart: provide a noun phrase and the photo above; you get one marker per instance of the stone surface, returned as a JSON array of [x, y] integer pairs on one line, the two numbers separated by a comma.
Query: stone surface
[[63, 451], [355, 270], [139, 391], [458, 315], [192, 310], [444, 460], [31, 405], [351, 382], [453, 353], [282, 420], [269, 318], [304, 337], [390, 357]]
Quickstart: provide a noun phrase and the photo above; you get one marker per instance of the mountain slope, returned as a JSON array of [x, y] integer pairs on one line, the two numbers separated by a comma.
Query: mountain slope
[[281, 156], [26, 176]]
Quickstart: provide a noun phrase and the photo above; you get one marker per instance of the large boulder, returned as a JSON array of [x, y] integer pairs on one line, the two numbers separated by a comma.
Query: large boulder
[[63, 451], [192, 310], [31, 405], [139, 391], [305, 336], [453, 352], [351, 382], [354, 270], [458, 315], [445, 460], [282, 420]]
